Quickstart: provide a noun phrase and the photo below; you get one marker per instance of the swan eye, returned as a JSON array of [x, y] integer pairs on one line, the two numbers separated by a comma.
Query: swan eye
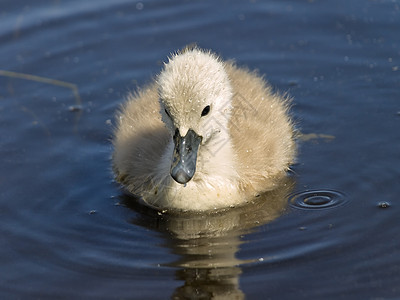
[[205, 111], [167, 113]]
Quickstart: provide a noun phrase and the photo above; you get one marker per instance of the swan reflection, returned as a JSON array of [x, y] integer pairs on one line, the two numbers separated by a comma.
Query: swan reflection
[[207, 244]]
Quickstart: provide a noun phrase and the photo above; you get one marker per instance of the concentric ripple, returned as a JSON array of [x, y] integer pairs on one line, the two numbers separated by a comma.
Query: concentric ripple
[[317, 199]]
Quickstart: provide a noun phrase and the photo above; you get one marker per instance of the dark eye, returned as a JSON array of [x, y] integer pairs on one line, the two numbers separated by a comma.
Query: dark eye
[[167, 113], [205, 111]]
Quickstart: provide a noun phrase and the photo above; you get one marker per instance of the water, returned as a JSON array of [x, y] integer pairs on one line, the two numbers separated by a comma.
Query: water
[[67, 230]]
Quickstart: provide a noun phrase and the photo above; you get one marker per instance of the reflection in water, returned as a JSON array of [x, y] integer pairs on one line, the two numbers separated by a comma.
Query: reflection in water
[[207, 243]]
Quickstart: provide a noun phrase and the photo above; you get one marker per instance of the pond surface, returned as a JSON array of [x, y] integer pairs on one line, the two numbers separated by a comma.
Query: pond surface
[[66, 228]]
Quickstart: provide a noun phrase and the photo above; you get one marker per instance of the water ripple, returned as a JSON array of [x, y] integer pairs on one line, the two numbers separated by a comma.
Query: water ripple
[[317, 199]]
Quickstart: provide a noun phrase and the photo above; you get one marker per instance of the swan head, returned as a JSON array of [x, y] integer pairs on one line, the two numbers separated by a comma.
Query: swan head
[[195, 99]]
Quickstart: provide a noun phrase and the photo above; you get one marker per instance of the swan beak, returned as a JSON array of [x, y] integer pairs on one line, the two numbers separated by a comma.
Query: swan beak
[[185, 156]]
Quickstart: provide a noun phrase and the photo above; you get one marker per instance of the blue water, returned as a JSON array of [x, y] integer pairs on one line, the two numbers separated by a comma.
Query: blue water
[[66, 228]]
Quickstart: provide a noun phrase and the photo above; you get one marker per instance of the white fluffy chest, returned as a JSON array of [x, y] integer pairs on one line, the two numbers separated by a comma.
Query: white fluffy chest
[[214, 185]]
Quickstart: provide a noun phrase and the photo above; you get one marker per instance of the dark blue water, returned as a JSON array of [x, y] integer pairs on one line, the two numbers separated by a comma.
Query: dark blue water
[[67, 230]]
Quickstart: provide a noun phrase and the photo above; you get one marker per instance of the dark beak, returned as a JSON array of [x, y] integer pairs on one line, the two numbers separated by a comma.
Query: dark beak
[[185, 156]]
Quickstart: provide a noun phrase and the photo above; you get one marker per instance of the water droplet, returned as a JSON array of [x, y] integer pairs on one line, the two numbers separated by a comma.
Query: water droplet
[[318, 199], [383, 204], [75, 108]]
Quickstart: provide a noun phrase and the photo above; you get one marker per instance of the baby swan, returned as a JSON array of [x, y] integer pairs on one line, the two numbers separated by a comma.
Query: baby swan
[[206, 134]]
